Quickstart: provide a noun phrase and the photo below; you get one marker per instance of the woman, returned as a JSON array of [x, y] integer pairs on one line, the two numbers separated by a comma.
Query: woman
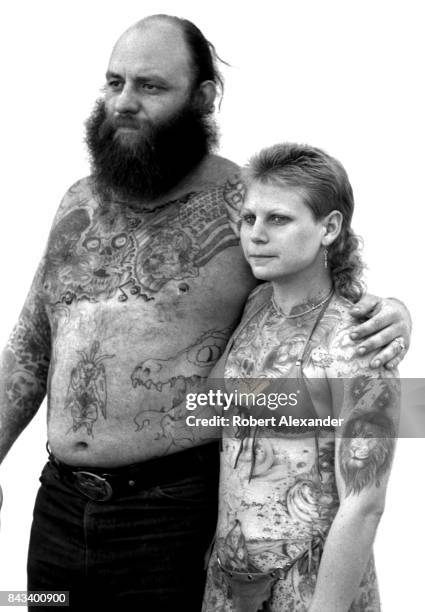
[[300, 501]]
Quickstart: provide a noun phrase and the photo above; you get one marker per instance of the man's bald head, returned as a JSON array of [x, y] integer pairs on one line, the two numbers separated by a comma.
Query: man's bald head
[[202, 53]]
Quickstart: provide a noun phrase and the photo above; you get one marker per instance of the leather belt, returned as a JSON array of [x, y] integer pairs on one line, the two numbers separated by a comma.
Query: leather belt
[[101, 484]]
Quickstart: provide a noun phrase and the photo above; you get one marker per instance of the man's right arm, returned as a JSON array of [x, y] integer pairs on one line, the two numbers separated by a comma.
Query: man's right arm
[[25, 361], [24, 367]]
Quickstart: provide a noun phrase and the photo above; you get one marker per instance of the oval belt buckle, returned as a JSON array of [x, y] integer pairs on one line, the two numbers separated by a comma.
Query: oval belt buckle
[[93, 486]]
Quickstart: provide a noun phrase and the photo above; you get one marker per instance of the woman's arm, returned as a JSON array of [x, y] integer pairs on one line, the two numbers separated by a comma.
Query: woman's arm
[[363, 455]]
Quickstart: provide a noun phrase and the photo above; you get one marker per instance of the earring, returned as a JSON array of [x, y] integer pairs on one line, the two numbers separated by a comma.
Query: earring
[[325, 256]]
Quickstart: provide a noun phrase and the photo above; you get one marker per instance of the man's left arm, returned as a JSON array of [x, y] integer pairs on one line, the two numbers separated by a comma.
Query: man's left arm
[[387, 330]]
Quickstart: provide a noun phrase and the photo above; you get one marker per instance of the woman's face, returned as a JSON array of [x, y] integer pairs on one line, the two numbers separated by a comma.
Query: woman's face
[[279, 235]]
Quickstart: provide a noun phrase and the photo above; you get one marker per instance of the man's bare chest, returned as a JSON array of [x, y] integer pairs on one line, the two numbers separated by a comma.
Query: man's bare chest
[[100, 255]]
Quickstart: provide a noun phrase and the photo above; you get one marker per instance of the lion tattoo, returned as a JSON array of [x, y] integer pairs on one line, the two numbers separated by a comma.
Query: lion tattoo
[[366, 451]]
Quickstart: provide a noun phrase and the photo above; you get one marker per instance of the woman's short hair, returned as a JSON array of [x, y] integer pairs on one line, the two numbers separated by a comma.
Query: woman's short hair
[[324, 186]]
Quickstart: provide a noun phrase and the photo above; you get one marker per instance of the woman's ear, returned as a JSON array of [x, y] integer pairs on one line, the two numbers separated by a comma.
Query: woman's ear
[[332, 224]]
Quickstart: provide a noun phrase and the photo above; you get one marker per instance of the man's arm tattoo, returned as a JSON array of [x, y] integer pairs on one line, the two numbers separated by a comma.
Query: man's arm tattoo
[[24, 369]]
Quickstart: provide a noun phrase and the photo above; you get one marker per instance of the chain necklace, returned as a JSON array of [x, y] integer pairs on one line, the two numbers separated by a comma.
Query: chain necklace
[[299, 314]]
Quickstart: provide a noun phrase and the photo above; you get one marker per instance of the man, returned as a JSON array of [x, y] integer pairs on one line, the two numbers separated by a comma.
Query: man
[[139, 289]]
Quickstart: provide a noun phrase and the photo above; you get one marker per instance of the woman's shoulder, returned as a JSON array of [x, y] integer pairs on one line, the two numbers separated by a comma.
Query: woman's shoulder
[[346, 361], [339, 320], [341, 307], [342, 303]]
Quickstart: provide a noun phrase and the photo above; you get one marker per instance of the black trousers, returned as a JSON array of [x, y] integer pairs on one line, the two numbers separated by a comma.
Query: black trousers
[[144, 548]]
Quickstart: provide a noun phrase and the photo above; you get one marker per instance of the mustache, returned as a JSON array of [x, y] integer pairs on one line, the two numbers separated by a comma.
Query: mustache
[[124, 121]]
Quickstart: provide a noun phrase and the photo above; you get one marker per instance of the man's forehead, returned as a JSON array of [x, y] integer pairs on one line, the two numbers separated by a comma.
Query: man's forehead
[[152, 45]]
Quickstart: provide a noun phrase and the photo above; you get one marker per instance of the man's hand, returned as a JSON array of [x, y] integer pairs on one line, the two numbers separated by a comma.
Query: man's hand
[[388, 328]]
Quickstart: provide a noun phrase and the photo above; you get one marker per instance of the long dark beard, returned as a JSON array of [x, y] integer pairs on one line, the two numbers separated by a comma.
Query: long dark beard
[[158, 159]]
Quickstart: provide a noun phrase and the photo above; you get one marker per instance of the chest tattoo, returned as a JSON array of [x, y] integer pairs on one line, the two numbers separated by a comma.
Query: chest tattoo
[[100, 256]]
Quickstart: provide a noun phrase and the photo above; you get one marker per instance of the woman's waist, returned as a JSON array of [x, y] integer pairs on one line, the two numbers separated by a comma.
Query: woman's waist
[[271, 527]]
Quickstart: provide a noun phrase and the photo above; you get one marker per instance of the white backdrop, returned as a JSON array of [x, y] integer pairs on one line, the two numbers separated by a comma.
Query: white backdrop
[[343, 75]]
